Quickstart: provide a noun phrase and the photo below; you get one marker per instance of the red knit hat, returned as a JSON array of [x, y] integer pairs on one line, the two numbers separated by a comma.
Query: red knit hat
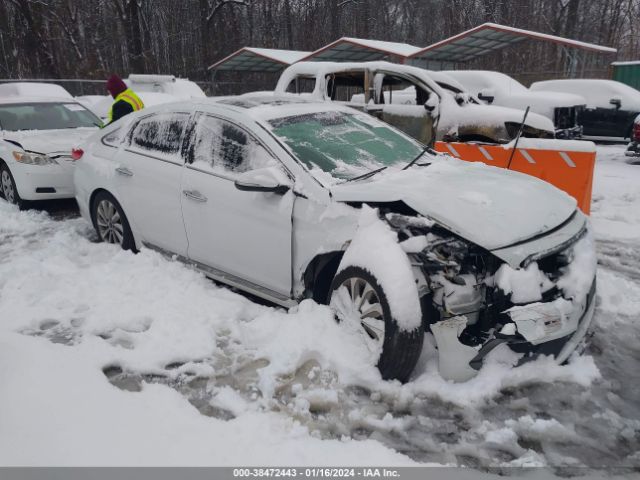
[[115, 85]]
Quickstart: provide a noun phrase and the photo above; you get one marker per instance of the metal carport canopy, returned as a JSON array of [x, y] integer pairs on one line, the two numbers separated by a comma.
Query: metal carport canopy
[[488, 38], [348, 49], [250, 59]]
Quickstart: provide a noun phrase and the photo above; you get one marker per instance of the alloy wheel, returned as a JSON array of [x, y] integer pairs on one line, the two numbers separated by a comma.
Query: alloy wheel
[[356, 301], [7, 187], [109, 223]]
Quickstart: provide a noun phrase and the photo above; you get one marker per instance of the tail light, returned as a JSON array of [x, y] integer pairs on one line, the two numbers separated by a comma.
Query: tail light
[[635, 135], [77, 153]]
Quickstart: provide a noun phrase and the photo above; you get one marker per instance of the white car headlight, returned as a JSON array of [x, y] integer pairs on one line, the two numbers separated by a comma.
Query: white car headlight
[[34, 158]]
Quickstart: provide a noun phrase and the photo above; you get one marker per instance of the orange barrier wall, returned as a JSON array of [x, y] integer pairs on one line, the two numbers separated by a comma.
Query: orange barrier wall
[[569, 170]]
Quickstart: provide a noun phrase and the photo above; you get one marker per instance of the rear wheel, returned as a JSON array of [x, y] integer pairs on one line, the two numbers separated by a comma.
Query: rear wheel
[[8, 186], [110, 222], [356, 297]]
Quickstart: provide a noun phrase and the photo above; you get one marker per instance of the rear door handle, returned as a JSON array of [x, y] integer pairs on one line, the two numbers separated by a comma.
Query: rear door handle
[[194, 195], [124, 171]]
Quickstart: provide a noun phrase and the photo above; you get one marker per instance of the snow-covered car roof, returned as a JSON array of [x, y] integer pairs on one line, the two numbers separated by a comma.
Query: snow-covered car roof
[[597, 92], [486, 79], [14, 90], [445, 80], [266, 107], [34, 99], [167, 84], [324, 68]]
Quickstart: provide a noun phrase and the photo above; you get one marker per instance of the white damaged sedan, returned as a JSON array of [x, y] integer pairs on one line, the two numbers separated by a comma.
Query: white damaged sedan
[[40, 124], [289, 200]]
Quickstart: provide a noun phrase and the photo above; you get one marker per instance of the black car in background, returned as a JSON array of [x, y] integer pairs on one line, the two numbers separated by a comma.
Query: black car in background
[[610, 110]]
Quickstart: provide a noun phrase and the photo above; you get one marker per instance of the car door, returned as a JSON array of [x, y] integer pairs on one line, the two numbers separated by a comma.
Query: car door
[[404, 104], [148, 172], [244, 237]]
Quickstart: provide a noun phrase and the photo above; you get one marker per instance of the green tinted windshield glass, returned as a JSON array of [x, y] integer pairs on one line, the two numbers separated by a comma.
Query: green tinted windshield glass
[[343, 144]]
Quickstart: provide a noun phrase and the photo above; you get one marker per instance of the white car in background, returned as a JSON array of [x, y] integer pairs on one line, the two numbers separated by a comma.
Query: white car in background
[[181, 88], [289, 200], [495, 88], [611, 106], [152, 90], [40, 124], [101, 105]]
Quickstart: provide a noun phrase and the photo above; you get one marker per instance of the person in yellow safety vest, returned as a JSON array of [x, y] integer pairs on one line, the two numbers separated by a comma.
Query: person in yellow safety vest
[[125, 100]]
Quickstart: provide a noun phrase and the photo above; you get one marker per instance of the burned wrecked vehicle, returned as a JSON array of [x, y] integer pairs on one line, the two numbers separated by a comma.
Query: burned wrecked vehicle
[[412, 100], [321, 201]]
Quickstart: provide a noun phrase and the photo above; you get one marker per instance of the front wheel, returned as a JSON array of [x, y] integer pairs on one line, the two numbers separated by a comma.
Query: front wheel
[[8, 187], [110, 222], [356, 297]]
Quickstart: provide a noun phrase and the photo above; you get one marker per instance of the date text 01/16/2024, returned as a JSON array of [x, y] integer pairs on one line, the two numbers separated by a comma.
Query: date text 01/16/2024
[[316, 472]]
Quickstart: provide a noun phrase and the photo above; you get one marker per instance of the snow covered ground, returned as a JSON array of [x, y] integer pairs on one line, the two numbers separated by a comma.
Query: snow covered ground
[[109, 358]]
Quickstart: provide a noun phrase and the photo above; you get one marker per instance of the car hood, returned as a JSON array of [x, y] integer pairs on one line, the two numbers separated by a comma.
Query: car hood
[[506, 114], [488, 206], [50, 141]]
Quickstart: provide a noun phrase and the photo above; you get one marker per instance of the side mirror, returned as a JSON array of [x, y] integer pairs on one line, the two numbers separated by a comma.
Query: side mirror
[[486, 96], [617, 102], [461, 98], [269, 180], [431, 103]]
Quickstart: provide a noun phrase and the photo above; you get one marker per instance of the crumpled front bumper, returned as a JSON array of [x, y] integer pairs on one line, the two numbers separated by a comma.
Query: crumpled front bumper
[[561, 323]]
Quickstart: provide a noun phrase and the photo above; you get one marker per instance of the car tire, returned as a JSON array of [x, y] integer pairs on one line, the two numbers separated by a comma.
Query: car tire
[[357, 291], [110, 221], [8, 188]]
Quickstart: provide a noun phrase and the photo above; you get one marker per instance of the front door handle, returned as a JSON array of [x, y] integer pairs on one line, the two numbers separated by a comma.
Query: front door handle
[[194, 195], [124, 171]]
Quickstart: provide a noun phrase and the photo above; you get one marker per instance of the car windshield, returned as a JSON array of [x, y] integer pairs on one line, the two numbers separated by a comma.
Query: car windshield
[[46, 116], [344, 145]]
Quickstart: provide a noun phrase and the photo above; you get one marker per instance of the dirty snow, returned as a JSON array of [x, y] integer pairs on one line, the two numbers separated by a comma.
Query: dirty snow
[[109, 358]]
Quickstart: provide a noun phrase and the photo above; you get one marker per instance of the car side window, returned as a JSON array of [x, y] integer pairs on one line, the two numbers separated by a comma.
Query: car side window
[[221, 146], [160, 133], [392, 89], [344, 86]]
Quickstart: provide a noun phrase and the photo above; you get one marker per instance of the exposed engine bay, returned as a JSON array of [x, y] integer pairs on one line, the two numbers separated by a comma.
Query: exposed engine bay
[[472, 301]]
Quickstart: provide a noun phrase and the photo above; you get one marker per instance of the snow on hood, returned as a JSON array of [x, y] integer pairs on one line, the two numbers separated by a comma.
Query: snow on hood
[[50, 141], [488, 206], [470, 113]]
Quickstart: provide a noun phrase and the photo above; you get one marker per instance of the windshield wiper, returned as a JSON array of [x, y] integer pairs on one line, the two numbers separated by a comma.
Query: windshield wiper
[[412, 162], [366, 175]]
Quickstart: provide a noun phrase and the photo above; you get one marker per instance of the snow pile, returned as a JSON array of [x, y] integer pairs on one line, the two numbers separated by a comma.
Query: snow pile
[[72, 308], [375, 248], [576, 277], [524, 284], [195, 374]]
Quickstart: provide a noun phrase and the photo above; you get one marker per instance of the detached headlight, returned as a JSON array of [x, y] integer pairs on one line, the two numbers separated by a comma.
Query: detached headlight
[[34, 158]]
